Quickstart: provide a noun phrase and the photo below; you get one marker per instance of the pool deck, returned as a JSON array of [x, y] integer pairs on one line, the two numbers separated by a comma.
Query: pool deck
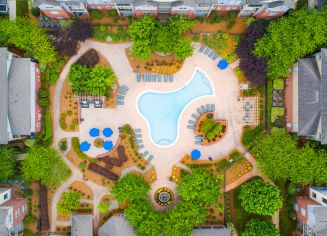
[[226, 102]]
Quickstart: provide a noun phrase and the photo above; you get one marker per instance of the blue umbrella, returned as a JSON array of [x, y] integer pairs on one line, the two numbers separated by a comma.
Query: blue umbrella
[[107, 145], [195, 154], [94, 132], [84, 146], [107, 132], [223, 64]]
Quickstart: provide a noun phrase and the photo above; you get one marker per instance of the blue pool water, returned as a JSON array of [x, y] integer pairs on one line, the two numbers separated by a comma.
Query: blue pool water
[[162, 110]]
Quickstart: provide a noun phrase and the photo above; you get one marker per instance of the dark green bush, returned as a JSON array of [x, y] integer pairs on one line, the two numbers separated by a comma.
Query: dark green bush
[[96, 14], [36, 11]]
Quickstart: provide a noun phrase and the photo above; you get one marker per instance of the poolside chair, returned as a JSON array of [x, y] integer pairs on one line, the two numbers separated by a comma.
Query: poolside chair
[[120, 97], [137, 130], [195, 116], [203, 109], [215, 56], [191, 127], [144, 154], [138, 141], [121, 91], [159, 78], [119, 103], [138, 78], [165, 78], [211, 53], [140, 147], [202, 48], [143, 77], [207, 51], [150, 158], [198, 138], [170, 78], [124, 88], [213, 107], [199, 142], [208, 107], [199, 110], [154, 78], [192, 122], [137, 135]]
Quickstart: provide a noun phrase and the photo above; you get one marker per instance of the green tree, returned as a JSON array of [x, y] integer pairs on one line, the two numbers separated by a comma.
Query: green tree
[[183, 48], [260, 228], [70, 201], [26, 35], [45, 165], [8, 163], [130, 187], [200, 188], [260, 197], [291, 37]]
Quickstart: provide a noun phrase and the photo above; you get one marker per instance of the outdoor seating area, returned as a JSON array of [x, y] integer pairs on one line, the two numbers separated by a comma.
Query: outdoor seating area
[[249, 111], [122, 91], [46, 22], [138, 142], [100, 141], [209, 52], [201, 110], [277, 98], [154, 78], [85, 102]]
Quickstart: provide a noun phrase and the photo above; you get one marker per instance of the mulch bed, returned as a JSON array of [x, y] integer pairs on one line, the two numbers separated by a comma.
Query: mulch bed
[[90, 58], [43, 201]]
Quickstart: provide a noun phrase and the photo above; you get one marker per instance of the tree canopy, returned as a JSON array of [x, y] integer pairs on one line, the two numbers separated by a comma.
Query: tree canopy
[[291, 37], [280, 158], [254, 68], [8, 163], [130, 187], [24, 34], [95, 81], [149, 35], [260, 228], [70, 201], [46, 165], [260, 197]]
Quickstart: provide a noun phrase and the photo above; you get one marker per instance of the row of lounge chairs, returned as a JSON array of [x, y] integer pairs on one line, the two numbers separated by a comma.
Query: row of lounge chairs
[[139, 145], [154, 78], [199, 139], [210, 52], [122, 91], [201, 110]]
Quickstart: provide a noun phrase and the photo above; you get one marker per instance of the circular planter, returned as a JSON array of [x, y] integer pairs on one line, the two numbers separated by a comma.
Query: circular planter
[[98, 143]]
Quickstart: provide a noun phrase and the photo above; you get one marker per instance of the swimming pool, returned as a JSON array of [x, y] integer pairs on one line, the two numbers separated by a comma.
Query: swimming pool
[[162, 110]]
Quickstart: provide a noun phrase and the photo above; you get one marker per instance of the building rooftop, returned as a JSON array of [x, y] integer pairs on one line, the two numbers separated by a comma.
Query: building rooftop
[[82, 225]]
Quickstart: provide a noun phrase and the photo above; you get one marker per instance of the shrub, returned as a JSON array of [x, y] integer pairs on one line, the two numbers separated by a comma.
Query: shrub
[[112, 13], [276, 112], [278, 84], [69, 202], [196, 38], [96, 14], [63, 145], [260, 228], [278, 123], [36, 11]]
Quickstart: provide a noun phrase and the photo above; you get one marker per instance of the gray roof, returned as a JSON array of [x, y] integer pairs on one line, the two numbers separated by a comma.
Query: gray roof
[[3, 216], [4, 96], [82, 225], [48, 2], [317, 218], [313, 96], [116, 226], [19, 96], [147, 3], [211, 232], [190, 3]]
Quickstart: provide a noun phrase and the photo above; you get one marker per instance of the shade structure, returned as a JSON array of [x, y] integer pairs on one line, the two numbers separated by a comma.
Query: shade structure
[[84, 146], [107, 145], [195, 154], [94, 132], [107, 132], [222, 64]]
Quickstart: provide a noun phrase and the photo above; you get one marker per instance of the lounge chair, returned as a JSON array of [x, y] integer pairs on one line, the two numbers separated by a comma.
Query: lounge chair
[[144, 154], [202, 48], [143, 77], [191, 127], [211, 53], [207, 51], [199, 142], [215, 56], [213, 107], [195, 116], [137, 130], [204, 109], [137, 135], [197, 138], [124, 88], [150, 158], [138, 141], [121, 91], [199, 110], [192, 122], [120, 97], [159, 78], [119, 103], [208, 107], [170, 78], [154, 78], [140, 147], [149, 77], [165, 78], [138, 78]]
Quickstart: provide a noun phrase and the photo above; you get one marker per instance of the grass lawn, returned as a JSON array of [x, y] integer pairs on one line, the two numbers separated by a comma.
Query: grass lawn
[[22, 8], [241, 216]]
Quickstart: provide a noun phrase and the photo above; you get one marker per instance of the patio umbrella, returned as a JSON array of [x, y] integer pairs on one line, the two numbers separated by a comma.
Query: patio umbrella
[[94, 132], [107, 145], [222, 64], [107, 132], [84, 146], [195, 154]]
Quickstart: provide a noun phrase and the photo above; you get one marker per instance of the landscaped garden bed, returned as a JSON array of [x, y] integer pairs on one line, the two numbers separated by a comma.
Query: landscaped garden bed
[[110, 34], [238, 169], [32, 196]]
